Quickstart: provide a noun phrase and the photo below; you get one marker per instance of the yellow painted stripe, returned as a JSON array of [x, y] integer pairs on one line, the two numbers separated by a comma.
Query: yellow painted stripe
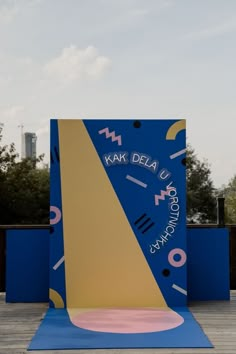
[[104, 264], [175, 129], [56, 298]]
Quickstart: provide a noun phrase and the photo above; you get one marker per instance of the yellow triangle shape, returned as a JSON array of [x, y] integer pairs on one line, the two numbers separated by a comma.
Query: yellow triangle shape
[[104, 264]]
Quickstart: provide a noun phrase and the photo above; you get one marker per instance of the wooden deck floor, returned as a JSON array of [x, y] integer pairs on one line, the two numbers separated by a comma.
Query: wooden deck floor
[[18, 323]]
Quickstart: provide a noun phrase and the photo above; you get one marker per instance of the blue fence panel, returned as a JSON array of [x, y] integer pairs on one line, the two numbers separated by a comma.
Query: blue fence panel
[[208, 264], [27, 265]]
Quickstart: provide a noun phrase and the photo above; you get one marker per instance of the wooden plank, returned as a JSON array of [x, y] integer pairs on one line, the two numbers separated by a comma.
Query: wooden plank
[[218, 320]]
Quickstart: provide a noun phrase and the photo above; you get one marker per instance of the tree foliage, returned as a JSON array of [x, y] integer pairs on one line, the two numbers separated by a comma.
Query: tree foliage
[[24, 189], [229, 192], [201, 194]]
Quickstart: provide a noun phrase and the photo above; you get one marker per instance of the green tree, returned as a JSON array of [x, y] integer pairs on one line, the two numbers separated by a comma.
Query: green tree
[[201, 194], [229, 192], [8, 158], [24, 189]]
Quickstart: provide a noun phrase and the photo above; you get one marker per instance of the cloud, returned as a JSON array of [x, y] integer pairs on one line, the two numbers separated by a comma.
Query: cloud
[[12, 112], [214, 31], [74, 64], [128, 15], [9, 9], [139, 12], [43, 130], [18, 69]]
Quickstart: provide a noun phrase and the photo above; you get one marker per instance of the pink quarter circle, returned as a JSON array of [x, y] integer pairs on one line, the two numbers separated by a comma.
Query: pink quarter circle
[[57, 216], [182, 260], [141, 320]]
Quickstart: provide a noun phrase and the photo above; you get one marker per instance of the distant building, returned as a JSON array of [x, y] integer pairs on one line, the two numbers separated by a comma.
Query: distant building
[[29, 145]]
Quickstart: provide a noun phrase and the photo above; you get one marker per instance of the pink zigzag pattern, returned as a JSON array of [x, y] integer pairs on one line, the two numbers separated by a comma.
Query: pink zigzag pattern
[[111, 135], [162, 196]]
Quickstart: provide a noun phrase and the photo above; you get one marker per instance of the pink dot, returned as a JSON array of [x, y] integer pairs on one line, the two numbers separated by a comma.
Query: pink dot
[[143, 320], [182, 260], [57, 216]]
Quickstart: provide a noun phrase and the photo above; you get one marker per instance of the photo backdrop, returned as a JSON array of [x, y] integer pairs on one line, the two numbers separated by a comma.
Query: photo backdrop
[[118, 218]]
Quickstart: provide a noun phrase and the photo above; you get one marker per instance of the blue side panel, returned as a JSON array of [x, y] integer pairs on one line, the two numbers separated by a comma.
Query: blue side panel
[[134, 154], [57, 276], [208, 264], [27, 263]]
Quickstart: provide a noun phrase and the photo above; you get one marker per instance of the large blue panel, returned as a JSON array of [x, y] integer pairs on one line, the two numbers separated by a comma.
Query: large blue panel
[[208, 264], [157, 216], [27, 265]]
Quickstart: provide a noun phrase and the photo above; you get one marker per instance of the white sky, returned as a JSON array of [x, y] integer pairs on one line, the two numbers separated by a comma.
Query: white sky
[[122, 58]]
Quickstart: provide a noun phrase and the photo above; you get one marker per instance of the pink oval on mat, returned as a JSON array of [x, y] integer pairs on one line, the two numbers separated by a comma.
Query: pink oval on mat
[[128, 320]]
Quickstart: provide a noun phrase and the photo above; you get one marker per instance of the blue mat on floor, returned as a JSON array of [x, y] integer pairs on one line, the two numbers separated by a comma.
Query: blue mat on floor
[[57, 332]]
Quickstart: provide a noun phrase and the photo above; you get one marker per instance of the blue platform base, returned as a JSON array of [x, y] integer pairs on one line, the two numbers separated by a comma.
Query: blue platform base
[[57, 332]]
